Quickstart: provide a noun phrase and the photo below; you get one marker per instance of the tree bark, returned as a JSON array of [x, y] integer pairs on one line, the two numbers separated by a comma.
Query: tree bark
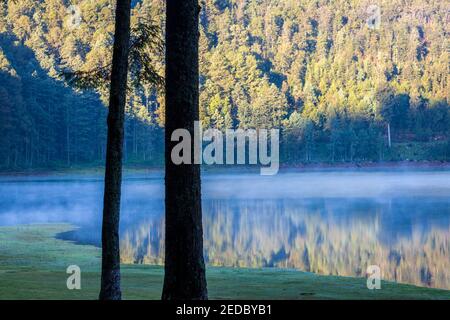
[[110, 280], [184, 264]]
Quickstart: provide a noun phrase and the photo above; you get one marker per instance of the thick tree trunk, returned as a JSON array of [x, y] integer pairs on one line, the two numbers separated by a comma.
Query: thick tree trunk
[[110, 282], [184, 264]]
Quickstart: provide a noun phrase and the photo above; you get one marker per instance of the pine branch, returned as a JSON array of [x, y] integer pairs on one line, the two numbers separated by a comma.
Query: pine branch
[[145, 42]]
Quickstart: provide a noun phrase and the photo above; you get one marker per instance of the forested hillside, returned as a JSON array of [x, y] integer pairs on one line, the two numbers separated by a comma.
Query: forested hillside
[[314, 68]]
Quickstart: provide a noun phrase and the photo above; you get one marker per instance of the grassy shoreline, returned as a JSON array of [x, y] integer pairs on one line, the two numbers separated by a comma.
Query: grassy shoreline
[[33, 266]]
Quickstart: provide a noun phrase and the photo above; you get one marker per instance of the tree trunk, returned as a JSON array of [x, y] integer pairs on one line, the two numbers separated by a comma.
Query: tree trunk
[[110, 281], [67, 136], [184, 263], [389, 135]]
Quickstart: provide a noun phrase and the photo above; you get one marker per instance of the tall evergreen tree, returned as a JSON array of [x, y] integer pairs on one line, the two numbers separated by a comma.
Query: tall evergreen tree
[[184, 264], [110, 282]]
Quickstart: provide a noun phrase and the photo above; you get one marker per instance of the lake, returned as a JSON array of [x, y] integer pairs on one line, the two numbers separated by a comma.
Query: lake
[[326, 222]]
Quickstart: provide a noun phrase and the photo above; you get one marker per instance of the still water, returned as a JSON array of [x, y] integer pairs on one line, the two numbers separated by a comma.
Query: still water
[[335, 222]]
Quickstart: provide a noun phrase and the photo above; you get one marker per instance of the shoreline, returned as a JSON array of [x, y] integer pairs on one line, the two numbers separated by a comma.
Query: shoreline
[[302, 167]]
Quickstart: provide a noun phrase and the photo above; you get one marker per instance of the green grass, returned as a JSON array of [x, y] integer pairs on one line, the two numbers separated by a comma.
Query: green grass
[[33, 266]]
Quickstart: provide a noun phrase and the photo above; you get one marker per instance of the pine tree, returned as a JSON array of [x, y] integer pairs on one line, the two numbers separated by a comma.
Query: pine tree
[[110, 281], [184, 264]]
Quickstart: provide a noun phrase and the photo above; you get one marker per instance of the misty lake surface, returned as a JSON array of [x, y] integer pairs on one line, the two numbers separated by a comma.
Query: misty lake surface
[[326, 222]]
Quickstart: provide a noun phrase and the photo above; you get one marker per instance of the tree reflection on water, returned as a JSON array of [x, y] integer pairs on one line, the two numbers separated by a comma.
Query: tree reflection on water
[[325, 236]]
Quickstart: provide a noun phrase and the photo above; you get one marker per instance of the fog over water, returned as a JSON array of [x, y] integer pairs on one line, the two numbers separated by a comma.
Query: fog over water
[[330, 222]]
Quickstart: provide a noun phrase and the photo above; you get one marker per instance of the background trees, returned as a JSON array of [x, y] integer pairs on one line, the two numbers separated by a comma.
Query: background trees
[[261, 61]]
